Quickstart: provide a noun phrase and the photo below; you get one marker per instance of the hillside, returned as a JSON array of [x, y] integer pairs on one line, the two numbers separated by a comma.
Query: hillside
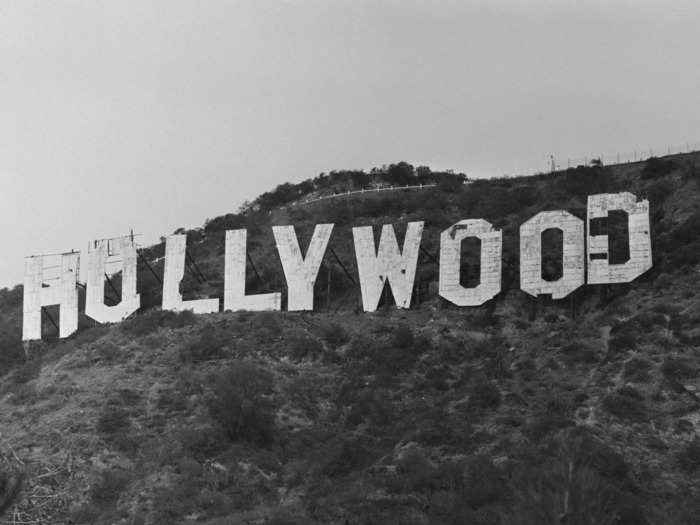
[[522, 411]]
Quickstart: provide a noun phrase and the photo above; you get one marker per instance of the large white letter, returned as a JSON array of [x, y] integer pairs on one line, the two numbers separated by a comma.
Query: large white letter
[[450, 262], [375, 267], [234, 278], [63, 293], [531, 280], [175, 246], [95, 306], [300, 271], [600, 271]]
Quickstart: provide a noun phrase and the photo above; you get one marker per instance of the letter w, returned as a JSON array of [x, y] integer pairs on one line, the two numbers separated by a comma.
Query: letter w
[[399, 267]]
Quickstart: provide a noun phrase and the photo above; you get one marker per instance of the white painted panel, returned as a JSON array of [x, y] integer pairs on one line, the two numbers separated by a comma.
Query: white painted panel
[[300, 271], [123, 248], [235, 297], [600, 271], [450, 261], [573, 274], [175, 246], [62, 292], [388, 262]]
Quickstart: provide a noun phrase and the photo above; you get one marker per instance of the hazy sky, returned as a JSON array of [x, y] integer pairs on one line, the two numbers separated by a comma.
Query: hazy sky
[[158, 114]]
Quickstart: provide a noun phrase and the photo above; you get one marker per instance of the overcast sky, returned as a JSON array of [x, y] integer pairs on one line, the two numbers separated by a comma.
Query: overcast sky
[[153, 115]]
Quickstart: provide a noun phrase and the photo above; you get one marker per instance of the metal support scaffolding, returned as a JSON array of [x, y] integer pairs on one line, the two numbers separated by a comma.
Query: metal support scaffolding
[[43, 309], [429, 255], [347, 273], [111, 285], [252, 265], [158, 278], [194, 269]]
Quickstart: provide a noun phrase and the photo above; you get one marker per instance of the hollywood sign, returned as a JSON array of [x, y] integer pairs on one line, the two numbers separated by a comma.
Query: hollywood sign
[[584, 259]]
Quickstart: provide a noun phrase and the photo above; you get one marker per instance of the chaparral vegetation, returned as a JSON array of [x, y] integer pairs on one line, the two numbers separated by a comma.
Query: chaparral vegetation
[[521, 411]]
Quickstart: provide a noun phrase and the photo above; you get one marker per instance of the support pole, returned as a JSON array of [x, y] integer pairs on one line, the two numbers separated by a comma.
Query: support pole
[[114, 301], [151, 269], [347, 273], [109, 282], [43, 309], [255, 270], [328, 288], [193, 272], [193, 263], [429, 255]]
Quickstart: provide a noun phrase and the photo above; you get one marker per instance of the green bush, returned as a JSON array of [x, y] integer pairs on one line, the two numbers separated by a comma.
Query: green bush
[[436, 377], [86, 514], [448, 182], [208, 345], [559, 490], [302, 346], [10, 488], [663, 282], [174, 502], [669, 309], [583, 181], [110, 486], [346, 455], [622, 342], [486, 347], [112, 420], [484, 318], [152, 320], [484, 396], [637, 370], [23, 394], [386, 359], [527, 195], [90, 335], [114, 425], [266, 325], [362, 347], [11, 352], [656, 167], [27, 371], [172, 400], [230, 221], [658, 191], [460, 492], [240, 403], [577, 352], [678, 368], [415, 471], [544, 425], [689, 456], [109, 352], [483, 483], [143, 324], [282, 518], [333, 334], [685, 255], [686, 232], [601, 458], [370, 405], [170, 319], [626, 403], [402, 337], [204, 442]]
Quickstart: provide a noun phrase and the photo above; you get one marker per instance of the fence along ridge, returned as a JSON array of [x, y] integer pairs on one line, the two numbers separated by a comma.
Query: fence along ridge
[[619, 159], [368, 190]]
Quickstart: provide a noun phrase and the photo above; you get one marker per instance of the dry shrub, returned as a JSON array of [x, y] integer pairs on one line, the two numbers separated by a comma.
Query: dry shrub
[[240, 402]]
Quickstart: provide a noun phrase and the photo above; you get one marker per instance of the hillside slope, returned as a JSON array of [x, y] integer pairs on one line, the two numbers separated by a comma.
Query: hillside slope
[[522, 411]]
